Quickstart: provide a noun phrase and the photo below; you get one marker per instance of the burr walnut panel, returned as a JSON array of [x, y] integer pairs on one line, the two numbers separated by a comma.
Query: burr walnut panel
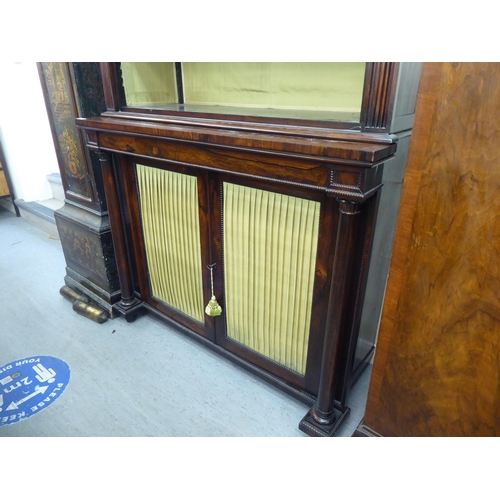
[[437, 368]]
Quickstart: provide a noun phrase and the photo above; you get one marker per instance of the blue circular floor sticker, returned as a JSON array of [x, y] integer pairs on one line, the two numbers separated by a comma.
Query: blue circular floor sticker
[[29, 385]]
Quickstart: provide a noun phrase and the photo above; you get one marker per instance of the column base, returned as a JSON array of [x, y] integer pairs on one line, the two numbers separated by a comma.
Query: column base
[[130, 313], [312, 428]]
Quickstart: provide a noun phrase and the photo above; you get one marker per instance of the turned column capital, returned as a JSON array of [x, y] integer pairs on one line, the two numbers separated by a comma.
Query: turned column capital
[[347, 207]]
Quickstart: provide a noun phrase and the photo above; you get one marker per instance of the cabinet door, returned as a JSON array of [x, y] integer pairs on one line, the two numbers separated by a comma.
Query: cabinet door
[[269, 253], [172, 260]]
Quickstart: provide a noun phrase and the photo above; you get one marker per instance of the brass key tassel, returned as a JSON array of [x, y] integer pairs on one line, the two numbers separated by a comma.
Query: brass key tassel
[[213, 308]]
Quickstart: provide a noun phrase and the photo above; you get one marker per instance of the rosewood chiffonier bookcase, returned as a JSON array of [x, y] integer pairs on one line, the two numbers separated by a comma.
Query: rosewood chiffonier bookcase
[[247, 209]]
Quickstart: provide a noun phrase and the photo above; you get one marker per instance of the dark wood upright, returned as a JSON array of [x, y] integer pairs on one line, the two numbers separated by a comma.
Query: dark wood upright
[[339, 166], [6, 187], [437, 367], [74, 90]]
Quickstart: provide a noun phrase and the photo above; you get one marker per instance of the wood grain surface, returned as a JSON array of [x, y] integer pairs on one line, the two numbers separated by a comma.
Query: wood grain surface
[[437, 366]]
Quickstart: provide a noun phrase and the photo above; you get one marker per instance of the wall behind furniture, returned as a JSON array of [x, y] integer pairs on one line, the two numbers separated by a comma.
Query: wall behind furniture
[[437, 366], [25, 131]]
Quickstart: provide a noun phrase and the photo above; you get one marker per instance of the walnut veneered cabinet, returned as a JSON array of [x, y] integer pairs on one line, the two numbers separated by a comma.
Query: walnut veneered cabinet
[[244, 204]]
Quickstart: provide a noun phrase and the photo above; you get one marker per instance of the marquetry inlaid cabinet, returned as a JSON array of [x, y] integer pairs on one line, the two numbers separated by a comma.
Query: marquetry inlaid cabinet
[[74, 90], [247, 208]]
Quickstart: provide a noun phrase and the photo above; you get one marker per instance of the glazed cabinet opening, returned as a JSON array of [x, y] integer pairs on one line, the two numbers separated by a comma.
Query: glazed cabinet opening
[[320, 91]]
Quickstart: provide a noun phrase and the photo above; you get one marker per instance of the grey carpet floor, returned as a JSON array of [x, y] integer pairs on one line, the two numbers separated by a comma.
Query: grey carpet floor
[[128, 379]]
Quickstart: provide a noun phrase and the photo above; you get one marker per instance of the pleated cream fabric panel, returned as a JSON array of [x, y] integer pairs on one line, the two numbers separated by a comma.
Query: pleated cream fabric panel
[[170, 219], [149, 84], [270, 246], [332, 86]]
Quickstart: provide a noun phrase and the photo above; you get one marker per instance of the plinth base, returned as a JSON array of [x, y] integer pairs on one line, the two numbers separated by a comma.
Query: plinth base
[[312, 428], [131, 312]]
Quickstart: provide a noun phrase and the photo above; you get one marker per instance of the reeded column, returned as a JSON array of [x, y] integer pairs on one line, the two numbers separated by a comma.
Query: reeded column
[[128, 299], [323, 419]]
